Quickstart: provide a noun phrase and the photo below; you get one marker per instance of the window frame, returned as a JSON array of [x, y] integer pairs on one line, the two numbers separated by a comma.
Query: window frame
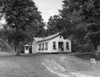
[[67, 46], [54, 45], [39, 46], [46, 46], [42, 46]]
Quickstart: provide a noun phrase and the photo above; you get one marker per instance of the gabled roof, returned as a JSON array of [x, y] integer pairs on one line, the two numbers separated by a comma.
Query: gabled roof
[[26, 45], [46, 38], [37, 39]]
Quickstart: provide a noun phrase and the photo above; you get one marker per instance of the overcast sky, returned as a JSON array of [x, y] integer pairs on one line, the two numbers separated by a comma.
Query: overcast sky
[[48, 7]]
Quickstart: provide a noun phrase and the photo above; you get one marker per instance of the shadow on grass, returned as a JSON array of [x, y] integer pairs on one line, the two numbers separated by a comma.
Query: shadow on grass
[[85, 56]]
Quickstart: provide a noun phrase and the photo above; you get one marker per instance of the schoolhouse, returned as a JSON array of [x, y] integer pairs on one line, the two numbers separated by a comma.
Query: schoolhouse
[[51, 44]]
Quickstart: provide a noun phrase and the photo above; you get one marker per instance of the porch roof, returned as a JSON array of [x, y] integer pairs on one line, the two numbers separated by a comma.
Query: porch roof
[[26, 45]]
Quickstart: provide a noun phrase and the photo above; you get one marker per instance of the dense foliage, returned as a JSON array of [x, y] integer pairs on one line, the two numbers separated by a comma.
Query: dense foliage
[[23, 20]]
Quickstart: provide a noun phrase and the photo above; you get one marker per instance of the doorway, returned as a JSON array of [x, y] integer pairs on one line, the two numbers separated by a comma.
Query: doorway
[[61, 46]]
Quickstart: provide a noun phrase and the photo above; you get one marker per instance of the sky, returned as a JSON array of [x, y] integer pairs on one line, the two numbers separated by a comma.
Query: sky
[[48, 7]]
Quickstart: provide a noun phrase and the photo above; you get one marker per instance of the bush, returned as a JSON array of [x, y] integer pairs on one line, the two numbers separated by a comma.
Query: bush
[[87, 47], [86, 56], [4, 46]]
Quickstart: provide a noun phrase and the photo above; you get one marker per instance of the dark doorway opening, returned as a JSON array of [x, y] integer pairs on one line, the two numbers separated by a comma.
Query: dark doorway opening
[[30, 50], [61, 46]]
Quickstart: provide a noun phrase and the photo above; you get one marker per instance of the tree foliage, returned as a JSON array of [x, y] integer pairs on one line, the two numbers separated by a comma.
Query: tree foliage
[[83, 17], [52, 25], [22, 16]]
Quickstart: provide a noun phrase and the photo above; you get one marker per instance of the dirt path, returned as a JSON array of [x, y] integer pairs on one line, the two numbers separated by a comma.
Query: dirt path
[[59, 70]]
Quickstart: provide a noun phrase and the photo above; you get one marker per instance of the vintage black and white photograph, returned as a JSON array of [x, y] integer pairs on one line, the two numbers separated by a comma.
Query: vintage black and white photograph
[[49, 38]]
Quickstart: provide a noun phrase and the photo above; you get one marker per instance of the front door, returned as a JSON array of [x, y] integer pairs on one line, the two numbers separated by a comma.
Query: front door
[[61, 46]]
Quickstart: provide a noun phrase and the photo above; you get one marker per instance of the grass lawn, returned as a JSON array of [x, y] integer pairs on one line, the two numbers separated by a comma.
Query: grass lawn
[[23, 66], [31, 65]]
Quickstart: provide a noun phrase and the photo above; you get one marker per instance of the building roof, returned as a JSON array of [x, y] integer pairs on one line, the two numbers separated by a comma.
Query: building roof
[[46, 38], [26, 45]]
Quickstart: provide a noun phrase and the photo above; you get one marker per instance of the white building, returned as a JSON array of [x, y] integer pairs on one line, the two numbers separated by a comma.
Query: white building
[[26, 48], [51, 44]]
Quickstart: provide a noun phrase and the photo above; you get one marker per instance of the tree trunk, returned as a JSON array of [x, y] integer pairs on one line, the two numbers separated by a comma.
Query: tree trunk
[[18, 51]]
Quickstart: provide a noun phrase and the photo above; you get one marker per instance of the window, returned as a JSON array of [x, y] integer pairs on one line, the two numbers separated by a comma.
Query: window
[[39, 46], [42, 46], [54, 45], [46, 46], [67, 45]]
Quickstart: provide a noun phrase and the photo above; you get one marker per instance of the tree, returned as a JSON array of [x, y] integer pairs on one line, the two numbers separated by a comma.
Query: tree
[[40, 30], [78, 19], [20, 16], [52, 25]]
